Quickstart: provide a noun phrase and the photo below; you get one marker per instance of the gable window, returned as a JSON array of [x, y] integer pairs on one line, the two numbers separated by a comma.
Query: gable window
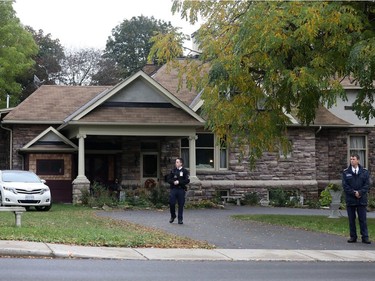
[[358, 145], [50, 166], [208, 153]]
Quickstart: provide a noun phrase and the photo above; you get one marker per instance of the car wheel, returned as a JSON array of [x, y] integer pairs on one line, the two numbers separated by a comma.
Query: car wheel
[[43, 208]]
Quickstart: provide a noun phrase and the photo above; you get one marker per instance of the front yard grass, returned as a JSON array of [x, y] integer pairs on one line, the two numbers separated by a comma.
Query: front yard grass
[[77, 225], [324, 224]]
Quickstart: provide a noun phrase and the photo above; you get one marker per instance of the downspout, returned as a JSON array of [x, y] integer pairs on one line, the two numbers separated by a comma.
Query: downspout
[[317, 131], [10, 143]]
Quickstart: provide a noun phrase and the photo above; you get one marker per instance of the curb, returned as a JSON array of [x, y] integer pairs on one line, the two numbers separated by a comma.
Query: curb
[[27, 249]]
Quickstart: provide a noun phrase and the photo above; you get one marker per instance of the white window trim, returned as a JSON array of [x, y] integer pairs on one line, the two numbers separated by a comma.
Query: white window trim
[[366, 149]]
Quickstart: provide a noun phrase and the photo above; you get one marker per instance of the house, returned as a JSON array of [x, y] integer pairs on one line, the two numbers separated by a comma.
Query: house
[[72, 136]]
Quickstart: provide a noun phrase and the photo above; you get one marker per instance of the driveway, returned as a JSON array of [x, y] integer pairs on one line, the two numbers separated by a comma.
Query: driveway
[[217, 227]]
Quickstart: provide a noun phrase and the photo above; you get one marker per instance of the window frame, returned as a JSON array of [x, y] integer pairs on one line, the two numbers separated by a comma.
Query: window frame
[[363, 162], [41, 163], [217, 150]]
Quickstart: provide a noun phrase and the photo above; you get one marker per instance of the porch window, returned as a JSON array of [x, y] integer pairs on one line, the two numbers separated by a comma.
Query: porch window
[[209, 153], [358, 145], [50, 166]]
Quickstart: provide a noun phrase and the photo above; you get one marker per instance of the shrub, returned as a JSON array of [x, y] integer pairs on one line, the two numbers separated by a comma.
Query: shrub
[[98, 196], [284, 198], [159, 196], [325, 198], [251, 198]]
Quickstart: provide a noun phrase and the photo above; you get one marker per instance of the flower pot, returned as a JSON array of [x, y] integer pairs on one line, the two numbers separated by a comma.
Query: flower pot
[[335, 203]]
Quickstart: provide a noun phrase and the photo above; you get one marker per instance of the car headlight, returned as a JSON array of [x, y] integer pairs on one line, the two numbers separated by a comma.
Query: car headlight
[[43, 190], [11, 189]]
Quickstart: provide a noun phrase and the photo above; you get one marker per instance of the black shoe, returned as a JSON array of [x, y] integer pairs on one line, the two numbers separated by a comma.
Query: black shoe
[[366, 241], [180, 222], [172, 219], [352, 240]]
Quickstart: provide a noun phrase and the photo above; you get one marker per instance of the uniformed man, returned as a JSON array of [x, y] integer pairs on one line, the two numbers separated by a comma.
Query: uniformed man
[[178, 178], [356, 184]]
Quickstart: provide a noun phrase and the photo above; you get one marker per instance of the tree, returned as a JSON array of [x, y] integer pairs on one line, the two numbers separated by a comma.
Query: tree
[[129, 46], [79, 66], [268, 58], [47, 67], [49, 56], [16, 52]]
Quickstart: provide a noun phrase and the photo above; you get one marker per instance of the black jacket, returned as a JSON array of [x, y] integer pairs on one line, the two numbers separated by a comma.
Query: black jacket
[[181, 175], [352, 182]]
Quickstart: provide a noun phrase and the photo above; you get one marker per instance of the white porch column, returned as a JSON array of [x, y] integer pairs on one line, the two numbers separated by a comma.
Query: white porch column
[[81, 157], [192, 158], [81, 183]]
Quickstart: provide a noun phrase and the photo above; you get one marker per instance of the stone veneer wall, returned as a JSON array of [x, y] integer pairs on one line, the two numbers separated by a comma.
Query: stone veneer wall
[[4, 149], [271, 171], [169, 149], [333, 157], [21, 136]]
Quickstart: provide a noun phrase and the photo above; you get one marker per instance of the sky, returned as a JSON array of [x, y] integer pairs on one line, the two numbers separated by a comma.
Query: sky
[[88, 23]]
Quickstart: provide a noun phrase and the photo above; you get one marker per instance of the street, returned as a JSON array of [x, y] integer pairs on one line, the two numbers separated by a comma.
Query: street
[[12, 269]]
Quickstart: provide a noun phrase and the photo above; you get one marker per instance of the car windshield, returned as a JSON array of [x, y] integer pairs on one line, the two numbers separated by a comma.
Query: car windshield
[[16, 176]]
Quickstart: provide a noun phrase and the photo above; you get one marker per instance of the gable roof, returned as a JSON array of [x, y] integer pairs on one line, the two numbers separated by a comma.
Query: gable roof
[[50, 140], [323, 117], [137, 100], [168, 78]]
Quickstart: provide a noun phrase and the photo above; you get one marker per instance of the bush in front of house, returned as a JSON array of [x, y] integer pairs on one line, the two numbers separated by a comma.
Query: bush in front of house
[[283, 198], [251, 198], [325, 197], [99, 196]]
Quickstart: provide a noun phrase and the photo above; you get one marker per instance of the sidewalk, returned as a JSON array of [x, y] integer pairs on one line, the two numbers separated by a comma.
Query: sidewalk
[[43, 250], [235, 241]]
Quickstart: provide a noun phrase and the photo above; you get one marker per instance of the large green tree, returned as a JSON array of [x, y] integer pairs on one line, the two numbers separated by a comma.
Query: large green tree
[[17, 48], [261, 59], [128, 47], [47, 68]]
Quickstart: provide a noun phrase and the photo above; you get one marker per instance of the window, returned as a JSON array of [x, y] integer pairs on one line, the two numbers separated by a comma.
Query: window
[[209, 155], [358, 145], [288, 152], [50, 167]]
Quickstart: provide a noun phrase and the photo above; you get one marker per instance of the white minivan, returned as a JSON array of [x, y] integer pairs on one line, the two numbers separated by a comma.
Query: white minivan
[[24, 188]]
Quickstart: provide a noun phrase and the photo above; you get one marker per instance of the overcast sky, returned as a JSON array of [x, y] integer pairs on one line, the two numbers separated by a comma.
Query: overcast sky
[[88, 23]]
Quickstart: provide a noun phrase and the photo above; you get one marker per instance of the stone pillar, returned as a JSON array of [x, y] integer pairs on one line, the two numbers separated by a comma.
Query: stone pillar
[[81, 183]]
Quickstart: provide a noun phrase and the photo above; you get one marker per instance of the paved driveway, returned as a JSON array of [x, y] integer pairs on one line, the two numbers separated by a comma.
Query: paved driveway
[[218, 228]]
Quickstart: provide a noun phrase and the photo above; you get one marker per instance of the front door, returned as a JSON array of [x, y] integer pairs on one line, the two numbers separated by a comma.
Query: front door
[[100, 168], [150, 168]]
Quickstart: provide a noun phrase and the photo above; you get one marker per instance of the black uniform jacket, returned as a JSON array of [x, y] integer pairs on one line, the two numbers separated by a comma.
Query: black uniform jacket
[[352, 182], [181, 175]]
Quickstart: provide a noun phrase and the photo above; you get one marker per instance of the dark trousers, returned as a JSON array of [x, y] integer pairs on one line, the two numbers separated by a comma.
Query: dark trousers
[[362, 213], [177, 195]]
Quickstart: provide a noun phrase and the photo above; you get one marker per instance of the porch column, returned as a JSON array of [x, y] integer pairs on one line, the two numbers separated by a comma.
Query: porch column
[[81, 183], [192, 158], [81, 157]]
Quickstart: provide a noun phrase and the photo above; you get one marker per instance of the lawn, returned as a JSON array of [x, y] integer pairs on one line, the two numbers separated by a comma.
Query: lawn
[[77, 225], [324, 224]]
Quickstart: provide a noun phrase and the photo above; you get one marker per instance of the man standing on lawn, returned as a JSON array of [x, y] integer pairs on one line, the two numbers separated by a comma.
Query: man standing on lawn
[[356, 183], [178, 179]]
